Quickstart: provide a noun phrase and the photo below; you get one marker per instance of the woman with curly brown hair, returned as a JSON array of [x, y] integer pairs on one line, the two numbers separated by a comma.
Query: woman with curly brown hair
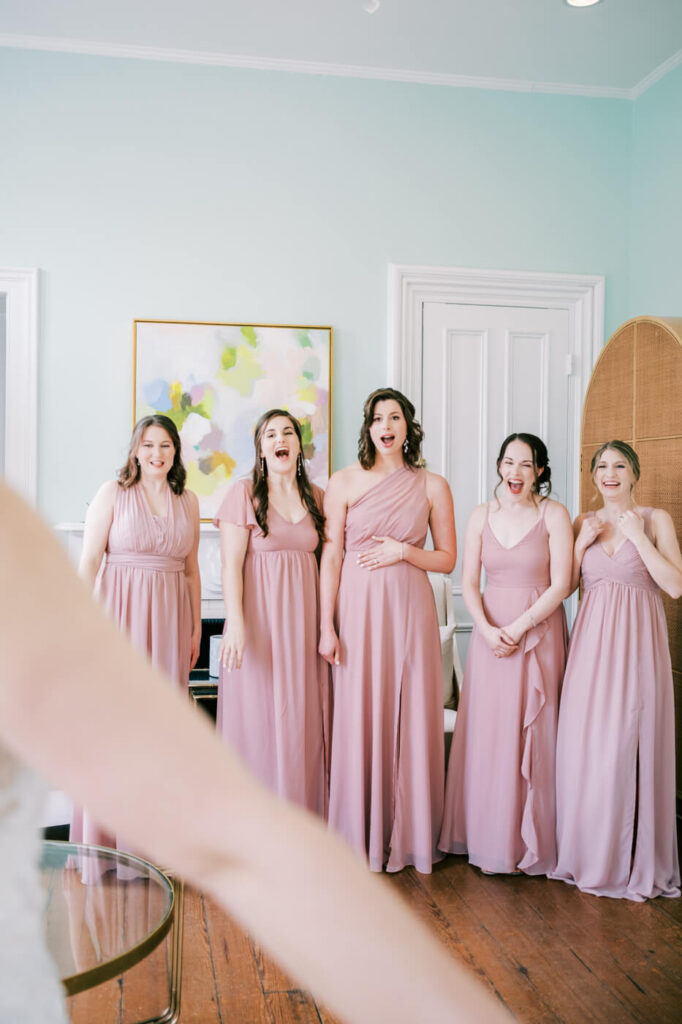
[[145, 526], [380, 632], [273, 698]]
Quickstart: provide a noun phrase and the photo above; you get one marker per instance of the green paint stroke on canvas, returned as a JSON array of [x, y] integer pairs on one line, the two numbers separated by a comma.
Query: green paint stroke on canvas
[[304, 339], [246, 371], [249, 335], [181, 405], [228, 357]]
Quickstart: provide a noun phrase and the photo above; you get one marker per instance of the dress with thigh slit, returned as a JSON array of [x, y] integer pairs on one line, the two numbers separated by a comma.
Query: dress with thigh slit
[[387, 766], [616, 744]]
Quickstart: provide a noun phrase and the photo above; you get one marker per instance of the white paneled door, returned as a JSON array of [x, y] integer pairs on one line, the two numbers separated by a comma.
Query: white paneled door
[[487, 371]]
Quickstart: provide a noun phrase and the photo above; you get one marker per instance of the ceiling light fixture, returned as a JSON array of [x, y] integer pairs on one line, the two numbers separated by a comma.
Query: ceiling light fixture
[[582, 3], [370, 6]]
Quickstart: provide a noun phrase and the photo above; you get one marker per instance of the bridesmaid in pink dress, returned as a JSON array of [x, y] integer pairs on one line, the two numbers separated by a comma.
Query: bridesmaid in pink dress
[[616, 744], [273, 700], [379, 630], [499, 800], [145, 526]]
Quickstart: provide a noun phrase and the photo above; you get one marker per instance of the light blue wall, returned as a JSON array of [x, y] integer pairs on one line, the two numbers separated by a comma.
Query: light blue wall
[[656, 252], [145, 189]]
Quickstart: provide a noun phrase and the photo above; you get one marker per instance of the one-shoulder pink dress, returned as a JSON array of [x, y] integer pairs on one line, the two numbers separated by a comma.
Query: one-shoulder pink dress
[[274, 710], [386, 784], [143, 587], [499, 799], [616, 744]]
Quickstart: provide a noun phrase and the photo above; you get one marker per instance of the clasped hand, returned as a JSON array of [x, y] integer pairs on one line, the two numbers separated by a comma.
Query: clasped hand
[[501, 641], [387, 552]]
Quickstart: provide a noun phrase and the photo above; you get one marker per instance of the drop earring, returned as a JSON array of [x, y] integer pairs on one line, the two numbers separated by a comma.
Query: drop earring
[[405, 446], [299, 464], [262, 466]]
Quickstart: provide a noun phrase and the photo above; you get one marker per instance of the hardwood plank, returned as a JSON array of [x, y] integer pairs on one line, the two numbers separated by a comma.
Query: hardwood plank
[[485, 953], [237, 981], [585, 925], [200, 999], [146, 985], [101, 1004], [295, 1007], [273, 978]]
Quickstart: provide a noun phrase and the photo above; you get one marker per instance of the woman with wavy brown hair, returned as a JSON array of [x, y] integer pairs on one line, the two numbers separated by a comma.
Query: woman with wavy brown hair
[[380, 633], [273, 698], [140, 557]]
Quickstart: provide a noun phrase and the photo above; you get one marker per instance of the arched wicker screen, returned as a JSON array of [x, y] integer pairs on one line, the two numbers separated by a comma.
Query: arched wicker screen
[[635, 395]]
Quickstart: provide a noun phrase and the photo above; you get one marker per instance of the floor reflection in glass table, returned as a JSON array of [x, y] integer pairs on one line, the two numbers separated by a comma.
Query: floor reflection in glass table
[[105, 912]]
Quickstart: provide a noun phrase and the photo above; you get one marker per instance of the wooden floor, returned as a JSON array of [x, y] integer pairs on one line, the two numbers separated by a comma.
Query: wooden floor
[[549, 952]]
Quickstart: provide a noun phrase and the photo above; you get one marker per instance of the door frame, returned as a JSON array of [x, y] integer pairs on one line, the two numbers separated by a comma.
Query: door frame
[[581, 295], [20, 400]]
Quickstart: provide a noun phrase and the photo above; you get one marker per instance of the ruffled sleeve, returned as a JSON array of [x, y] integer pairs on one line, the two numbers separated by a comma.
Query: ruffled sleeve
[[237, 507]]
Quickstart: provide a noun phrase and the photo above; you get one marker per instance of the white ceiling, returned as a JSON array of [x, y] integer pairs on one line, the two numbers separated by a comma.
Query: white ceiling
[[615, 48]]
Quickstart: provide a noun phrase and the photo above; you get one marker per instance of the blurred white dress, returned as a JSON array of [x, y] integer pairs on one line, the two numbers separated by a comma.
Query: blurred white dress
[[29, 987]]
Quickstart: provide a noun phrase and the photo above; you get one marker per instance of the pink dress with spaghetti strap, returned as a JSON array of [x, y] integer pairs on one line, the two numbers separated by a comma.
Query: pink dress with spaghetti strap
[[386, 784], [616, 744], [499, 800]]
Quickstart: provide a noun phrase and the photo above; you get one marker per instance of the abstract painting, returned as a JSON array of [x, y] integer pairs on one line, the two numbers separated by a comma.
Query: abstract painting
[[215, 380]]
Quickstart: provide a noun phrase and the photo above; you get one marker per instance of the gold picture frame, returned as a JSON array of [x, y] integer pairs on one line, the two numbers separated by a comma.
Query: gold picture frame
[[215, 379]]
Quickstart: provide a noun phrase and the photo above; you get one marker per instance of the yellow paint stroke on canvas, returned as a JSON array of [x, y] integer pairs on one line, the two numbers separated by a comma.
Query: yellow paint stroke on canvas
[[205, 484], [247, 369]]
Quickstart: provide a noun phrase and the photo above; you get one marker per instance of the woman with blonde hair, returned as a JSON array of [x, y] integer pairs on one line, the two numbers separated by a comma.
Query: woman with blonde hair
[[616, 745]]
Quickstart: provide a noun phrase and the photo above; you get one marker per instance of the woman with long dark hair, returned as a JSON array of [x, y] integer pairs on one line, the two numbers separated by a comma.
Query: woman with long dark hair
[[499, 800], [273, 698], [616, 743], [379, 630], [144, 527]]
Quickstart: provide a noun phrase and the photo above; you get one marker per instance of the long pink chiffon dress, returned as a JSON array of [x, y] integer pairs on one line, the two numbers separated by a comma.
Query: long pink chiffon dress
[[616, 745], [143, 587], [387, 768], [499, 798], [274, 710]]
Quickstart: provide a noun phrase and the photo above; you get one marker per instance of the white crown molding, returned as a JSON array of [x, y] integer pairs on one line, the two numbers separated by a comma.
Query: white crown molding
[[20, 285], [657, 74], [304, 67]]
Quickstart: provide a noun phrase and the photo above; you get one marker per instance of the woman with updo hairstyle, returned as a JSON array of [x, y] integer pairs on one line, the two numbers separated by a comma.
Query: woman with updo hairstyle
[[273, 696], [379, 631], [616, 745], [139, 556], [499, 800]]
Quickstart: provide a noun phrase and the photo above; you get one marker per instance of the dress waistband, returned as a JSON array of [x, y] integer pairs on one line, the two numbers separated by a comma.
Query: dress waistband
[[157, 563]]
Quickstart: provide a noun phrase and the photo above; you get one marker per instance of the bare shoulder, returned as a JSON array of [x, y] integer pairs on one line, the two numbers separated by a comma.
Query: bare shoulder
[[106, 495], [344, 481], [437, 486], [662, 523], [477, 518], [192, 500], [556, 514]]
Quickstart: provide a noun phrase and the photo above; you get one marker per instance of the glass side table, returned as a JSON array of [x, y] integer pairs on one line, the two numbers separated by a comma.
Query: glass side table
[[106, 911]]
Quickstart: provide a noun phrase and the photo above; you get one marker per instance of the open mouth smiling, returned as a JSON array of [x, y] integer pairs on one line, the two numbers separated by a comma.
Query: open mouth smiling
[[515, 486], [282, 452]]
